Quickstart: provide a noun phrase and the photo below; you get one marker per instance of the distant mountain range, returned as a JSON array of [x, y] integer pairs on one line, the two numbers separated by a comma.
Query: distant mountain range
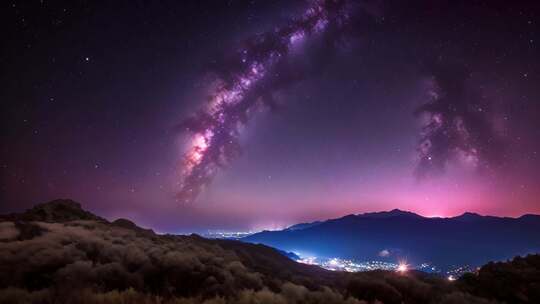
[[468, 239]]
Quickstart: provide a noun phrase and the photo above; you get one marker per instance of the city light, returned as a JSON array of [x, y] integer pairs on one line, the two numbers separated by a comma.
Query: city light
[[308, 260], [351, 265], [232, 235], [402, 267], [339, 264]]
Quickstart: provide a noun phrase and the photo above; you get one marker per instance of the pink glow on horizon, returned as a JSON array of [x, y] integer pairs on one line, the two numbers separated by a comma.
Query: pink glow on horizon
[[264, 208]]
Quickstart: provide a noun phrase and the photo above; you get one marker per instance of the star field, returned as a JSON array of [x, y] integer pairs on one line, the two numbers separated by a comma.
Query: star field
[[253, 114]]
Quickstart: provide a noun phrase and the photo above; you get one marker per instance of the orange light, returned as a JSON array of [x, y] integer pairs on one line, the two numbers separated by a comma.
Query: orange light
[[402, 267]]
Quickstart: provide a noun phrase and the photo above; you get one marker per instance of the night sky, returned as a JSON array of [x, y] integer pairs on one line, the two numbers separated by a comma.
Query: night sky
[[194, 115]]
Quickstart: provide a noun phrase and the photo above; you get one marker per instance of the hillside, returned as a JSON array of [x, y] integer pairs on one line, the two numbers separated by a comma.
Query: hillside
[[69, 255]]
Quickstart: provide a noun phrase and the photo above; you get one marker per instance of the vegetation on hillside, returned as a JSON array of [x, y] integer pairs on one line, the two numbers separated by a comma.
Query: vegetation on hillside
[[71, 256]]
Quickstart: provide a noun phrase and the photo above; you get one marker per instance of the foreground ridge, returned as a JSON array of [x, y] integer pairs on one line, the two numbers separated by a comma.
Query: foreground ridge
[[59, 253]]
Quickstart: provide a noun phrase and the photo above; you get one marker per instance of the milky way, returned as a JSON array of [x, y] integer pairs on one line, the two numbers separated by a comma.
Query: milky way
[[457, 122], [183, 84], [246, 82], [458, 126]]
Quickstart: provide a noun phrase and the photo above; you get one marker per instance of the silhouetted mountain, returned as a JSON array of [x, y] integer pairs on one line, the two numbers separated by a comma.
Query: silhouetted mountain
[[124, 223], [60, 210], [303, 226], [290, 255], [389, 214], [466, 239], [74, 256]]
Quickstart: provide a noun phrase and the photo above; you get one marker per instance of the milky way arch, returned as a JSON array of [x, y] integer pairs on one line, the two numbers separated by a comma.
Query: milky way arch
[[250, 78], [245, 83]]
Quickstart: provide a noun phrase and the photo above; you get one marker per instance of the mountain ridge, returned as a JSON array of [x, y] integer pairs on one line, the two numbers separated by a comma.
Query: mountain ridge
[[400, 213], [466, 239]]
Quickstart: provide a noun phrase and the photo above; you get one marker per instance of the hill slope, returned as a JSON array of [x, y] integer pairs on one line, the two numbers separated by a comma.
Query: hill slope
[[73, 256]]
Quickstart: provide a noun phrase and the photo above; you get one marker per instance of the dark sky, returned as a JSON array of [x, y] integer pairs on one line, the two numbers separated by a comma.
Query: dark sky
[[429, 106]]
